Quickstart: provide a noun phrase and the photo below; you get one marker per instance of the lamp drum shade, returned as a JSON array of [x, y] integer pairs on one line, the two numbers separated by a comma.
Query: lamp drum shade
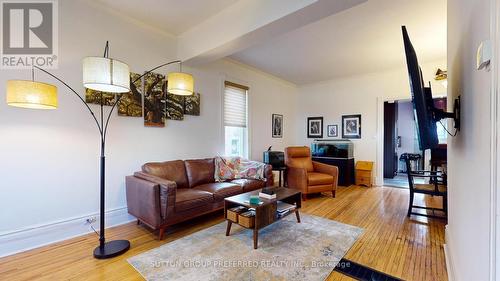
[[31, 94], [106, 75], [180, 83]]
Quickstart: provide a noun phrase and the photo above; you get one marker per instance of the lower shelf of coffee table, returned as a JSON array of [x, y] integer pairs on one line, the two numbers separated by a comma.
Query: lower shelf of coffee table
[[249, 222]]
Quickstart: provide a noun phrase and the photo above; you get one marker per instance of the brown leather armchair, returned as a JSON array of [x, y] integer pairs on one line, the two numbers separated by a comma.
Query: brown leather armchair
[[309, 176]]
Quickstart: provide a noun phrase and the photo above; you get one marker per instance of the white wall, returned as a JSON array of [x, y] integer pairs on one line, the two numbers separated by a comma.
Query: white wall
[[267, 95], [50, 159], [358, 95], [469, 153]]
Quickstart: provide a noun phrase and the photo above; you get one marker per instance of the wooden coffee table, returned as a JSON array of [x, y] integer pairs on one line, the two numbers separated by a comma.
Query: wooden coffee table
[[265, 213]]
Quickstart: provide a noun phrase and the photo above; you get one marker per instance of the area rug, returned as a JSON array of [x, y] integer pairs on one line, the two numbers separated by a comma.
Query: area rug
[[287, 250]]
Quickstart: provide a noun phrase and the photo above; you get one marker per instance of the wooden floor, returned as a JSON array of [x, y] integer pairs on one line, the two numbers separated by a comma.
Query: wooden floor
[[411, 249]]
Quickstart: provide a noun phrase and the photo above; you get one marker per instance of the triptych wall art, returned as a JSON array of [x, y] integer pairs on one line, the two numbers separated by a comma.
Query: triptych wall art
[[175, 106], [148, 98], [94, 97], [192, 105], [154, 100], [131, 103]]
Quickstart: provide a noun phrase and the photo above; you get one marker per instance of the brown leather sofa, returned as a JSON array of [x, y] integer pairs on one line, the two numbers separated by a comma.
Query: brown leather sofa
[[166, 193], [309, 176]]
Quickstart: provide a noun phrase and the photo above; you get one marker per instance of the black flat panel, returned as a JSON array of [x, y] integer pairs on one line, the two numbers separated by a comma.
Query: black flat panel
[[390, 154]]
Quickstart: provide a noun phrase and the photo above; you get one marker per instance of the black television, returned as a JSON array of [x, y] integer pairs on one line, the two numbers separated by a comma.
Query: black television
[[426, 114]]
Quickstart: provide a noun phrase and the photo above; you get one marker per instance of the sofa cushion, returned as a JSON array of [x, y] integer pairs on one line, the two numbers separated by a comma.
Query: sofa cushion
[[189, 198], [249, 184], [319, 178], [200, 171], [220, 190], [170, 170]]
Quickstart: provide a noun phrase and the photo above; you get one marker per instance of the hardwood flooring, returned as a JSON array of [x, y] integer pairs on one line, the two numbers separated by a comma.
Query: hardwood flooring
[[411, 249]]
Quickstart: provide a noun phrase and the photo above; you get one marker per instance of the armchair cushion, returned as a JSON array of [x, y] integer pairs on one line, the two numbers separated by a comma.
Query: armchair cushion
[[189, 198], [299, 157], [314, 178], [325, 168], [220, 190]]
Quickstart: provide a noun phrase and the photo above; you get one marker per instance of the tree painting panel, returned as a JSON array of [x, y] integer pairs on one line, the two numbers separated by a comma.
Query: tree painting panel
[[154, 100], [192, 104], [175, 105], [130, 103], [94, 97]]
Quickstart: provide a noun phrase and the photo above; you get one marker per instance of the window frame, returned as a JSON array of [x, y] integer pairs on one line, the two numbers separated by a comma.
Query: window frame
[[239, 84]]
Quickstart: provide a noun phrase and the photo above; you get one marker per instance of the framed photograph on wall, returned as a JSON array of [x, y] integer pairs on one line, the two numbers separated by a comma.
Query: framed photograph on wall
[[315, 127], [351, 126], [277, 126], [332, 131]]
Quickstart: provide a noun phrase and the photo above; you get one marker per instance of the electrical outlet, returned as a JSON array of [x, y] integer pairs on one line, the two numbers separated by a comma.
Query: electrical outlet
[[91, 220]]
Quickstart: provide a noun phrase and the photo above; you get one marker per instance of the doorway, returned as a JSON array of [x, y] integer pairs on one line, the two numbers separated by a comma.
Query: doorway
[[401, 142]]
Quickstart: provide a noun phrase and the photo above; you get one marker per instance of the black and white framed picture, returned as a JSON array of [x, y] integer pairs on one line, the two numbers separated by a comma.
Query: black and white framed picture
[[277, 126], [315, 127], [351, 126], [332, 130]]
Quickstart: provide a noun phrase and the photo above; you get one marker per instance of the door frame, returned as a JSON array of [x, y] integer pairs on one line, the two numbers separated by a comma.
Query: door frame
[[380, 135], [494, 142], [379, 180]]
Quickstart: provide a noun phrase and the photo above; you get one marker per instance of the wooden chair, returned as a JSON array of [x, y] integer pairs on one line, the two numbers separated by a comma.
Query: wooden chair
[[438, 187]]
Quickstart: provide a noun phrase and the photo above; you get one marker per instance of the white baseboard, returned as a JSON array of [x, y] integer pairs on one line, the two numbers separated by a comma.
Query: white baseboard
[[41, 235], [447, 256]]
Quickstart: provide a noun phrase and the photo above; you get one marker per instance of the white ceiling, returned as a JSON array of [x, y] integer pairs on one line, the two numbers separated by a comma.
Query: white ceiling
[[363, 39], [172, 16]]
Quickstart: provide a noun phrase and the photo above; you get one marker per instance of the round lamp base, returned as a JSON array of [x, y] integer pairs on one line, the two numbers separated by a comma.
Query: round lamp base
[[111, 249]]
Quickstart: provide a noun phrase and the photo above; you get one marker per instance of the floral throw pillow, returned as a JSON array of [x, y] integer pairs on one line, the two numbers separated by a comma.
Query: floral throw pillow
[[226, 168], [251, 170]]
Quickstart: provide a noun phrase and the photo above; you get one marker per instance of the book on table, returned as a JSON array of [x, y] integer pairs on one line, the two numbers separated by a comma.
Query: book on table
[[284, 208], [267, 196]]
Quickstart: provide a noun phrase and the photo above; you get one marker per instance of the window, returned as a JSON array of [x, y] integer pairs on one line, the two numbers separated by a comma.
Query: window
[[235, 120]]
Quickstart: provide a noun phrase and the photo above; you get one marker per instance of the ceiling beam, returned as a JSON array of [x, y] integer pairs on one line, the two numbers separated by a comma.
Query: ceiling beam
[[248, 22]]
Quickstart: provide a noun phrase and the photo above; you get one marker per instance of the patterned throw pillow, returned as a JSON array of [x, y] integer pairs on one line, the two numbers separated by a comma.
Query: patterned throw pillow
[[251, 170], [230, 168], [226, 168]]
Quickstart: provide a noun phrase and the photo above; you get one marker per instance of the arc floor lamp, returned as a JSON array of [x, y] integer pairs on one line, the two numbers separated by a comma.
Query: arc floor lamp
[[102, 74]]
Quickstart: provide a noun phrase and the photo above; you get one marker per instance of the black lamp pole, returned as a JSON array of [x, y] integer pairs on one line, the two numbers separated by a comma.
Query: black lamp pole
[[116, 247]]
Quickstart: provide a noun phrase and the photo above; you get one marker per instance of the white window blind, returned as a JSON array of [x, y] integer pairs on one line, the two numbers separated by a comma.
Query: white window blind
[[235, 105]]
